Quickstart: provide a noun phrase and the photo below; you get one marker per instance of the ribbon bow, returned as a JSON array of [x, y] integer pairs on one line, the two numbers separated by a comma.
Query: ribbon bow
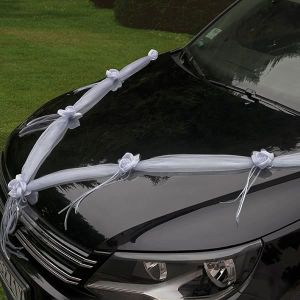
[[72, 115]]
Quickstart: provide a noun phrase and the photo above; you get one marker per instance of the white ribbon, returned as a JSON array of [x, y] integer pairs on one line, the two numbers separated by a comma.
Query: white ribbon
[[72, 115], [55, 126], [17, 192], [38, 124], [25, 184], [96, 92], [261, 160], [8, 226], [126, 164]]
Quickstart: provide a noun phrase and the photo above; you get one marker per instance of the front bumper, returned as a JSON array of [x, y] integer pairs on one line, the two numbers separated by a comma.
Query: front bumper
[[273, 279], [276, 275]]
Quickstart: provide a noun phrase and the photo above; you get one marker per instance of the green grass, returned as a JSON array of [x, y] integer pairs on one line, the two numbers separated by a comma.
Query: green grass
[[48, 47], [2, 297], [51, 46]]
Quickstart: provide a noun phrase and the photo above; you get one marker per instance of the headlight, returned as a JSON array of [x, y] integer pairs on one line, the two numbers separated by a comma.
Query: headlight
[[174, 276]]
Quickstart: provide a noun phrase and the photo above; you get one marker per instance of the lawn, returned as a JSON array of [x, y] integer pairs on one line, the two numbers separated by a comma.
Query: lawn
[[49, 47]]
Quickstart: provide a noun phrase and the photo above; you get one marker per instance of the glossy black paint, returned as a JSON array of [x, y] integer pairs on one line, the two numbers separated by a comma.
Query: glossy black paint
[[165, 110], [277, 274]]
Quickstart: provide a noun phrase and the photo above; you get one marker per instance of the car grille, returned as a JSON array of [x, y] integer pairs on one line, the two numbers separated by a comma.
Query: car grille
[[59, 257]]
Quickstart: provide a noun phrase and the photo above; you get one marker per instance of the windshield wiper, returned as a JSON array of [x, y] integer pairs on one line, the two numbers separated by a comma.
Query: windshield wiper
[[187, 57], [253, 96]]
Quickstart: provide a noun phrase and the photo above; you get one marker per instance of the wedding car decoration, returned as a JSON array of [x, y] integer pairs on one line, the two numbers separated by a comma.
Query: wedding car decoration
[[23, 190], [55, 127]]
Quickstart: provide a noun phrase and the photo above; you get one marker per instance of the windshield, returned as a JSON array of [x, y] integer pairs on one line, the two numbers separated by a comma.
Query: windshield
[[256, 45]]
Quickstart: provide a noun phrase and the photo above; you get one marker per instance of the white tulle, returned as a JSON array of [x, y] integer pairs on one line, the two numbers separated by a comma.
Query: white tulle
[[168, 165], [55, 127], [25, 185]]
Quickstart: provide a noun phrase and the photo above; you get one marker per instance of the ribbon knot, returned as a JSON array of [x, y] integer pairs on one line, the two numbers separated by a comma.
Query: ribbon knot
[[18, 188], [72, 115], [128, 162], [114, 74], [262, 159]]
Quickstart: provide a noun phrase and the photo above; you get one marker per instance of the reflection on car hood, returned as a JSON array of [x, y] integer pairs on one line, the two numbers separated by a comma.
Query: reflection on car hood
[[164, 110]]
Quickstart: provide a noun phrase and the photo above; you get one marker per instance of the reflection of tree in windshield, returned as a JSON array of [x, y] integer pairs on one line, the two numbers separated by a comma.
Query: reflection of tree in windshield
[[252, 44], [274, 32]]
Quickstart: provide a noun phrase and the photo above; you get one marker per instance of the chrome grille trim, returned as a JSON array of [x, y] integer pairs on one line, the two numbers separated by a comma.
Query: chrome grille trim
[[47, 264], [53, 243], [56, 255], [69, 246]]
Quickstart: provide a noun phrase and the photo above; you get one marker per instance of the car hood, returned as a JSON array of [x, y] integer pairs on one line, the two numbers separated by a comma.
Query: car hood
[[165, 110]]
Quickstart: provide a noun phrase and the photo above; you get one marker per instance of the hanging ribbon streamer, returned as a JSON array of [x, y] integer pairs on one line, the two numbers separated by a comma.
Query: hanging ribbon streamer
[[16, 201], [261, 160], [38, 124], [126, 164]]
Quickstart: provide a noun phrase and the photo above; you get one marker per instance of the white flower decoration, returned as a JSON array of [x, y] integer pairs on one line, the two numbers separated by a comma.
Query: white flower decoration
[[262, 159], [128, 162], [114, 74], [72, 115], [18, 187]]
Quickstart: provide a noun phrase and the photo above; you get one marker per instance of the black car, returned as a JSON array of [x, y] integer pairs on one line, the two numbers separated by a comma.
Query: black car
[[233, 89]]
